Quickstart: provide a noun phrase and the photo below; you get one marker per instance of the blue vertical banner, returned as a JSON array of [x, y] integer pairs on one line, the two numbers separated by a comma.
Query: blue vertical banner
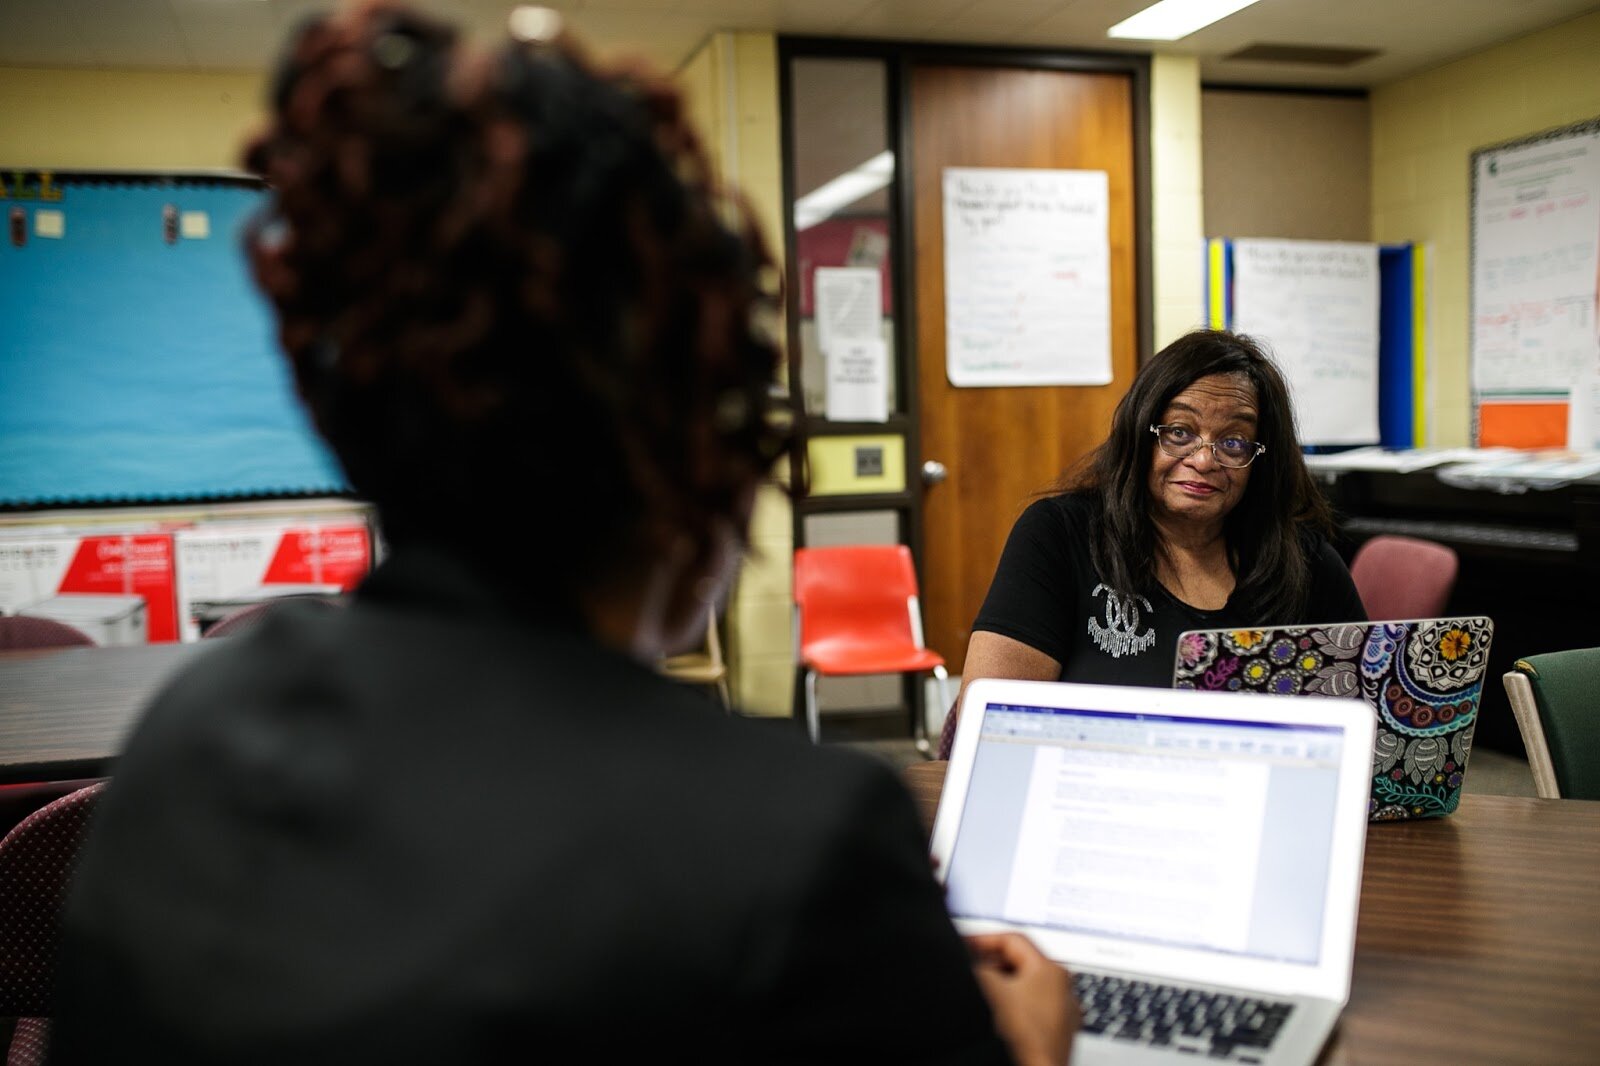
[[1397, 311]]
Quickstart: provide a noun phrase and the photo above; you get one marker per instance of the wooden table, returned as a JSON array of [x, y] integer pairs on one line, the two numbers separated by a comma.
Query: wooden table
[[1479, 936], [66, 712]]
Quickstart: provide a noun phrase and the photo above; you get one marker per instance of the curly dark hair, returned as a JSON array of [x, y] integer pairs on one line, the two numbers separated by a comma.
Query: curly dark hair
[[1266, 533], [512, 275]]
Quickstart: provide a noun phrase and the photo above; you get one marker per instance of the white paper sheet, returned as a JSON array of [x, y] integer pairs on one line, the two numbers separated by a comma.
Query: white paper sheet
[[1027, 273], [1383, 459], [849, 305], [858, 372], [1315, 305], [1583, 413], [849, 321]]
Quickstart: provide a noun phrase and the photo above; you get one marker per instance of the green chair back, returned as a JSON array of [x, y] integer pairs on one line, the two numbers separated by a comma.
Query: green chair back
[[1566, 690]]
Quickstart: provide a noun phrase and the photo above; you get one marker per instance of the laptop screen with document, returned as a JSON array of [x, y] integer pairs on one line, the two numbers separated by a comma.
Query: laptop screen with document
[[1199, 833], [1202, 835]]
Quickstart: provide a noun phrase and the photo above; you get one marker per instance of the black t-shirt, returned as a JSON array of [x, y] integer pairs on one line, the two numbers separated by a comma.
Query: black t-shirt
[[1048, 595]]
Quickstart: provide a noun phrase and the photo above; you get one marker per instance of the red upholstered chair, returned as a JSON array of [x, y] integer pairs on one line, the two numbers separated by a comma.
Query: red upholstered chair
[[238, 621], [1403, 577], [29, 1040], [857, 613], [19, 631], [18, 799], [246, 617], [36, 860]]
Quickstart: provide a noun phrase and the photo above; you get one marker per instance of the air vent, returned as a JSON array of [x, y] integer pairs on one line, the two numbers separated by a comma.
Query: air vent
[[1301, 53]]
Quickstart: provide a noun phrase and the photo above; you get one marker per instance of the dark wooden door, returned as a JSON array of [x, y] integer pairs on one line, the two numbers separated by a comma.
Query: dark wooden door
[[1003, 446]]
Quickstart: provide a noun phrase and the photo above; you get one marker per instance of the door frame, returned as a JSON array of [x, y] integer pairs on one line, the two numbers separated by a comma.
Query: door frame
[[899, 57]]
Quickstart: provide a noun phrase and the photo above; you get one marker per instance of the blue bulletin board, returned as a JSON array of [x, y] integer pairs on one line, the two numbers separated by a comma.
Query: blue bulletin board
[[137, 361]]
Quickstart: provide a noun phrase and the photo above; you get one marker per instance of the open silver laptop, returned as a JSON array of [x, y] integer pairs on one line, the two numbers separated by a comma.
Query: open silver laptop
[[1193, 857]]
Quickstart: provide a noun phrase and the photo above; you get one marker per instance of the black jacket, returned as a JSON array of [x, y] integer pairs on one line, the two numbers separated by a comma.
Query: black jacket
[[431, 829]]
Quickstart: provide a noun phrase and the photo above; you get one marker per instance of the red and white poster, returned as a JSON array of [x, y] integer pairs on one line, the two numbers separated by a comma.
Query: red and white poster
[[119, 588], [225, 568]]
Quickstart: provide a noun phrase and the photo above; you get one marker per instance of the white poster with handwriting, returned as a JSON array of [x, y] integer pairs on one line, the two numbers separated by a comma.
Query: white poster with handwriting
[[849, 305], [1027, 277], [1536, 257], [1314, 304]]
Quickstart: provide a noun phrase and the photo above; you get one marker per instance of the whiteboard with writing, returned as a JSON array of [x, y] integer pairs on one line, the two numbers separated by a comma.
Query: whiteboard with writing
[[1027, 276], [1535, 257], [1314, 304]]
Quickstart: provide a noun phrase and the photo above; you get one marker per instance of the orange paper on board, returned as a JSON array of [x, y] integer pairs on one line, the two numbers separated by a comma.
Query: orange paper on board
[[1522, 425]]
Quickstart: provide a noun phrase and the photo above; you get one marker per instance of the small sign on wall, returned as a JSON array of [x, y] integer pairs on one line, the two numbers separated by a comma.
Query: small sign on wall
[[49, 224], [194, 225], [858, 372], [850, 334]]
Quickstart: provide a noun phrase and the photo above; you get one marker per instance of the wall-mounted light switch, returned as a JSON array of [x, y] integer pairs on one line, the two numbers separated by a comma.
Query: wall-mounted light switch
[[869, 461]]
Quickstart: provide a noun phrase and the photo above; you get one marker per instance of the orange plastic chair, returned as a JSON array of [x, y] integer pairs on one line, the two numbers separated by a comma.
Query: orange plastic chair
[[1403, 577], [857, 612]]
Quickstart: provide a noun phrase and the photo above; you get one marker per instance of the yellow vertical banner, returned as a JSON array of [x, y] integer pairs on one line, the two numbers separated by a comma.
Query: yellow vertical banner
[[1217, 283]]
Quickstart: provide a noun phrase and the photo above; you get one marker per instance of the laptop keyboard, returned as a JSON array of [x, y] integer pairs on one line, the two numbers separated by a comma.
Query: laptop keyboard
[[1206, 1024]]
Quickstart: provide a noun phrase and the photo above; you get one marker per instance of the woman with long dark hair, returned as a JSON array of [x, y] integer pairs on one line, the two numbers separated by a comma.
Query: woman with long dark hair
[[1197, 512], [464, 820]]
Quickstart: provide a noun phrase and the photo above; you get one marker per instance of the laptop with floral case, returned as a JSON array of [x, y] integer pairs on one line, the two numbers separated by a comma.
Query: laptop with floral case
[[1423, 678]]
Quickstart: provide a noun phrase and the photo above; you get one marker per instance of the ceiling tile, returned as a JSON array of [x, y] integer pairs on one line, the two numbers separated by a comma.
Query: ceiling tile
[[1007, 23], [84, 33], [229, 36], [40, 33], [905, 18], [223, 34], [664, 39]]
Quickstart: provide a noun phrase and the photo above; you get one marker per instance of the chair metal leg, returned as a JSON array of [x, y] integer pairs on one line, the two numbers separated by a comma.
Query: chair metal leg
[[924, 746], [813, 717]]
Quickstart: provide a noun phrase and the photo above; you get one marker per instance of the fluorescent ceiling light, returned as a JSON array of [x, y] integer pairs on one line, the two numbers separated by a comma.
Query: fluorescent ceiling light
[[844, 190], [1172, 19]]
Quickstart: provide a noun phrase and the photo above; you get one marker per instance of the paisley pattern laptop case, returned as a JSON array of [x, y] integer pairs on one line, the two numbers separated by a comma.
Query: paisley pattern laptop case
[[1424, 679]]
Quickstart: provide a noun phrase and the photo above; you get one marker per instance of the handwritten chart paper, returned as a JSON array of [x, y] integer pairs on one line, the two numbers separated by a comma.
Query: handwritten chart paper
[[1027, 276], [1536, 238], [1315, 306]]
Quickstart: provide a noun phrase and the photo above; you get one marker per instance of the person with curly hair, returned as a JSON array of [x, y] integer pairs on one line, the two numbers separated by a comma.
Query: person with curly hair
[[1197, 512], [465, 820]]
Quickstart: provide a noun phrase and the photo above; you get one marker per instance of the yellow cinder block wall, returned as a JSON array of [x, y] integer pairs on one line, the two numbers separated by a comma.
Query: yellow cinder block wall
[[731, 83], [126, 119], [1424, 129], [1177, 203]]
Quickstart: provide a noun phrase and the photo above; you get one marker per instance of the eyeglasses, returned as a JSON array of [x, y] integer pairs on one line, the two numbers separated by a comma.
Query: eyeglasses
[[1180, 442]]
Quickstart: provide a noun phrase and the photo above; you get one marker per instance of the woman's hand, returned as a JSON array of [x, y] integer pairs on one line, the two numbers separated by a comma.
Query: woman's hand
[[1034, 1007]]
